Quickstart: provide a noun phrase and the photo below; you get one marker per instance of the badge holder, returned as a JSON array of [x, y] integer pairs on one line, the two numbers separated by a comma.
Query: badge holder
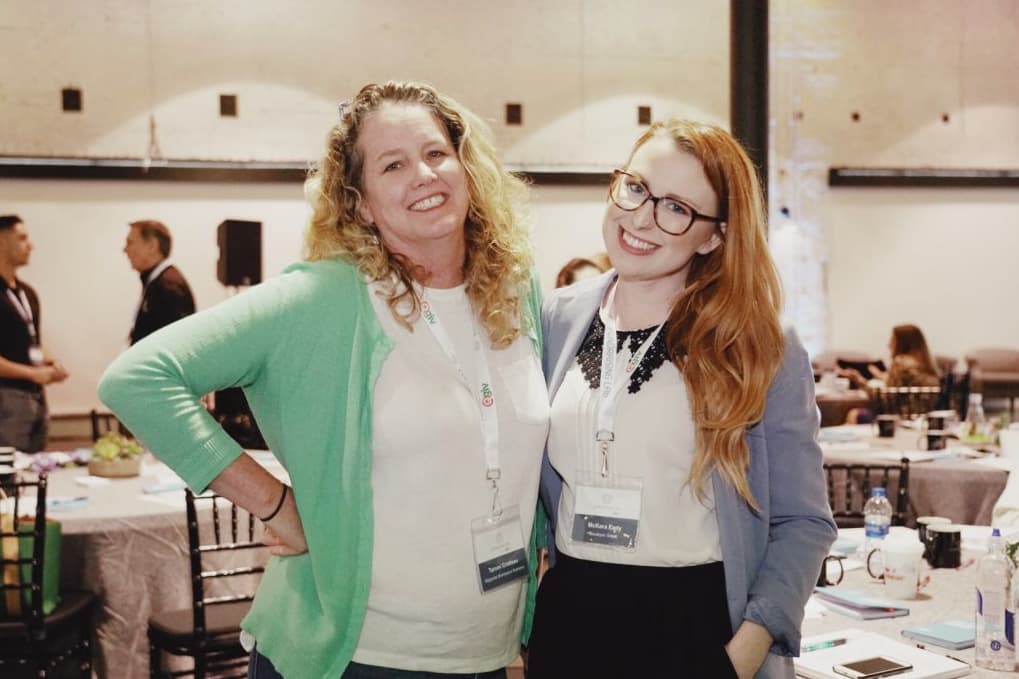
[[499, 549], [606, 511]]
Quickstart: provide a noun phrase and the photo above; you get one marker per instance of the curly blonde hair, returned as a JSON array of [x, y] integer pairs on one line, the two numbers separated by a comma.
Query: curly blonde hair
[[498, 257], [723, 331]]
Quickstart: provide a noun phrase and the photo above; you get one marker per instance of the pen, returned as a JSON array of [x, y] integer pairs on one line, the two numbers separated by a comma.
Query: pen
[[61, 501], [831, 643]]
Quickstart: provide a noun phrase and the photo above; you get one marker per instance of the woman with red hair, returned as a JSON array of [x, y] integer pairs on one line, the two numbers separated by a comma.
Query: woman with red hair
[[682, 473]]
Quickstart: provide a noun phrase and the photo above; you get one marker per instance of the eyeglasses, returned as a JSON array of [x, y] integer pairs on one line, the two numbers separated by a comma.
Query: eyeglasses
[[671, 215]]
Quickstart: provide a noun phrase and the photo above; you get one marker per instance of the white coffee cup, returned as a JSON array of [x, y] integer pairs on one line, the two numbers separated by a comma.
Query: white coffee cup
[[901, 562], [1008, 441]]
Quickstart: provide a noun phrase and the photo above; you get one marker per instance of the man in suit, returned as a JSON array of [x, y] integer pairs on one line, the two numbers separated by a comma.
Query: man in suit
[[166, 296], [25, 367]]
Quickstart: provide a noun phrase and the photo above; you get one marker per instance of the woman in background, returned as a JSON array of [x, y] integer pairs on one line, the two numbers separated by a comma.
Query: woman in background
[[911, 366], [580, 268], [396, 377], [682, 471]]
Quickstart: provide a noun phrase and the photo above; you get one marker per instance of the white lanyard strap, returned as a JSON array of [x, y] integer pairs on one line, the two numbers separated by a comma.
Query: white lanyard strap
[[608, 395], [20, 302], [483, 391]]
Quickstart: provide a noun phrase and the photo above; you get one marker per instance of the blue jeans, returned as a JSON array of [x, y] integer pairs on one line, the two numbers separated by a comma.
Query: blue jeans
[[260, 667]]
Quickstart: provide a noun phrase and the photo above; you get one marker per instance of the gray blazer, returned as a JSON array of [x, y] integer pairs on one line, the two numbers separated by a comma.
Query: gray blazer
[[771, 557]]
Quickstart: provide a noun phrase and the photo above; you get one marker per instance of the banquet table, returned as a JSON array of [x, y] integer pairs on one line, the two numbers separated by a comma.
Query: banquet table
[[835, 404], [128, 546], [949, 594], [961, 484]]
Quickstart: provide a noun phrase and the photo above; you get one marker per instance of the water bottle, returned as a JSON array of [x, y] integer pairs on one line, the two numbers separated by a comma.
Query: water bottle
[[992, 648], [877, 517], [975, 425]]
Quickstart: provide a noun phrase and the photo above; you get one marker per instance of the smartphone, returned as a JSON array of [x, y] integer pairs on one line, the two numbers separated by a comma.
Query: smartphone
[[870, 668]]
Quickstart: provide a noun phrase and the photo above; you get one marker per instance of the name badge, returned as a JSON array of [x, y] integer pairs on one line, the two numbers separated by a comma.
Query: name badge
[[499, 549], [35, 355], [607, 514]]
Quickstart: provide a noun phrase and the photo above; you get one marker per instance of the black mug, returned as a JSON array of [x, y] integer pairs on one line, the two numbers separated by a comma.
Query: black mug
[[937, 439], [825, 578], [886, 426], [924, 522], [940, 419], [944, 545]]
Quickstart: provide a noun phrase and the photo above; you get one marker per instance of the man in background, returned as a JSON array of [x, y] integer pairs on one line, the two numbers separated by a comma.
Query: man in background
[[25, 367], [166, 296]]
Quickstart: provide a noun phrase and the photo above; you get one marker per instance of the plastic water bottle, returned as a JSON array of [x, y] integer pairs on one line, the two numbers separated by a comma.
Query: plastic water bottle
[[992, 648], [975, 424], [877, 517]]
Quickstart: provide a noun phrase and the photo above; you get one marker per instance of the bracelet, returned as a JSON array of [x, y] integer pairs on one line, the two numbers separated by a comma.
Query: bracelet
[[279, 505]]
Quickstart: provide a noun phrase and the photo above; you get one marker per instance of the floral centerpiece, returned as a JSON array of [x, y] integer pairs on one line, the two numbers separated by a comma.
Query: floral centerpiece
[[115, 455]]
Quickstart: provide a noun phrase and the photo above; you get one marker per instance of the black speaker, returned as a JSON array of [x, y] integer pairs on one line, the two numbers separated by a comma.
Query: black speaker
[[240, 252]]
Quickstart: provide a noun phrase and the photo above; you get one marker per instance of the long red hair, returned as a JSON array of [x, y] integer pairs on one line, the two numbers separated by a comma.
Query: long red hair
[[723, 332]]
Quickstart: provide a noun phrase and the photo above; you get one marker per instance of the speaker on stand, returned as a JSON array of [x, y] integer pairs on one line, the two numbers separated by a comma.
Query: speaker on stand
[[240, 264], [240, 252]]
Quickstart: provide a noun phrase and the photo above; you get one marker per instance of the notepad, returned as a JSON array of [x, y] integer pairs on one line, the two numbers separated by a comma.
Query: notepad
[[860, 645], [955, 634], [858, 605]]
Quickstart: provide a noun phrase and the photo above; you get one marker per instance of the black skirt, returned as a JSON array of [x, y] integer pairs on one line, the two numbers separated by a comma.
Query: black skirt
[[596, 619]]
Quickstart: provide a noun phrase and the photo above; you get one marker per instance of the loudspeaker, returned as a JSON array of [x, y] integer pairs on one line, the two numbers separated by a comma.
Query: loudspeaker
[[240, 252]]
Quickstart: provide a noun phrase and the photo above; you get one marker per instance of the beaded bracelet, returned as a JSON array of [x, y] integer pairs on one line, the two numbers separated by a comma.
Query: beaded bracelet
[[279, 505]]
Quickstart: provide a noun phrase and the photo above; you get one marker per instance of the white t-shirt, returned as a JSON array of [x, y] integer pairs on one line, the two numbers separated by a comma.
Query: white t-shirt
[[654, 442], [425, 610]]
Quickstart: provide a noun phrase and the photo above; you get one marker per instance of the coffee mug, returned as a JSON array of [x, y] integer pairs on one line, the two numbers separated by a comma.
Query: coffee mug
[[941, 419], [1008, 442], [935, 439], [886, 425], [944, 545], [899, 566], [922, 523], [832, 564]]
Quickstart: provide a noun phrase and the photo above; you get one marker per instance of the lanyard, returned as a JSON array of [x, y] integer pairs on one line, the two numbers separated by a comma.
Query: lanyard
[[20, 302], [485, 395], [608, 395]]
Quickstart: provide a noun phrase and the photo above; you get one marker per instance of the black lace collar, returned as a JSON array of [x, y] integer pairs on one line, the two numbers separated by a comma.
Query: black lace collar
[[589, 354]]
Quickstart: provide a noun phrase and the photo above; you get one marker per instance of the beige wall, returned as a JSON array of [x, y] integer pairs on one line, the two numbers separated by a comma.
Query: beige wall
[[938, 258]]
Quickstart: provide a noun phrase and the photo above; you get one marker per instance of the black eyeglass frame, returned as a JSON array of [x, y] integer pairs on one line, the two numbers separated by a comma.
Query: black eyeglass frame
[[694, 214]]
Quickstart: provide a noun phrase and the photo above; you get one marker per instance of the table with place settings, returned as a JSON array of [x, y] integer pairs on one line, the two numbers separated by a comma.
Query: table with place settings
[[949, 594], [125, 539], [961, 482]]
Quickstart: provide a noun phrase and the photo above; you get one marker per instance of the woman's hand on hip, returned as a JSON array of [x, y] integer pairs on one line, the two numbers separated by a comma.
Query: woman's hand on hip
[[284, 534]]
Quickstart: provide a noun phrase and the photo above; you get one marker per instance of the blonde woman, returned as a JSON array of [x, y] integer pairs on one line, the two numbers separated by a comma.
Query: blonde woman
[[396, 376], [681, 472]]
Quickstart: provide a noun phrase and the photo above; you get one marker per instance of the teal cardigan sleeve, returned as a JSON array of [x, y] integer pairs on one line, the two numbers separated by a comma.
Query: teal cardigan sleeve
[[155, 387]]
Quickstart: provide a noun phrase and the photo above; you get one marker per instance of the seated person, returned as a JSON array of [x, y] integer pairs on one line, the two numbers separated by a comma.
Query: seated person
[[911, 366]]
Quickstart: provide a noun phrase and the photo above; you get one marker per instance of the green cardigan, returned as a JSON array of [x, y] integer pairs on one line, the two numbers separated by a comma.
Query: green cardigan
[[307, 349]]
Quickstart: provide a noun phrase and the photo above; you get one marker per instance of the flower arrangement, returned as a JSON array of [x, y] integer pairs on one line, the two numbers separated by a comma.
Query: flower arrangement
[[114, 446], [115, 455]]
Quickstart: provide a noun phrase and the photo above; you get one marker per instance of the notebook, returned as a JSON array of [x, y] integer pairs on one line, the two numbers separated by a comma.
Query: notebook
[[859, 605], [954, 634], [853, 644]]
